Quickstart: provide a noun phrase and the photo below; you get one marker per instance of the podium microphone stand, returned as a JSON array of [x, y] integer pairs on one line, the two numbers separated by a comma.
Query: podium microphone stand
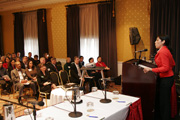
[[75, 113], [105, 100]]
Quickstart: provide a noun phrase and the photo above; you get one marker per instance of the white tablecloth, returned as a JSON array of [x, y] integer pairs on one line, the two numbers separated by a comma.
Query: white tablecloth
[[109, 111], [59, 95]]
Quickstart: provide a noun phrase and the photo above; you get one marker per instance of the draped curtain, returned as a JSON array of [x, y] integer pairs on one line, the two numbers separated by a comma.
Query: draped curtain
[[165, 19], [1, 38], [73, 34], [89, 31], [42, 32], [18, 33], [30, 33], [107, 37]]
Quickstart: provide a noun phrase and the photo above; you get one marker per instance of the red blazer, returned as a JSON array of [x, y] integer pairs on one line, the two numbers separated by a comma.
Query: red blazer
[[101, 64], [5, 65], [165, 62]]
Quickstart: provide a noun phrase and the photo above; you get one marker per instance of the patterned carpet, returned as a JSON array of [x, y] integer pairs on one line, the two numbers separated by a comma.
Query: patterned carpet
[[18, 109]]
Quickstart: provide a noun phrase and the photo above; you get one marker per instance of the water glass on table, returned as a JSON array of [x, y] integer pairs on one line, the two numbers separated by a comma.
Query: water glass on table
[[90, 106], [115, 95]]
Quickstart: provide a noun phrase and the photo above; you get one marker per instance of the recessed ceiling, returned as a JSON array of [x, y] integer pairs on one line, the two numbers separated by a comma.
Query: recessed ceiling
[[6, 5]]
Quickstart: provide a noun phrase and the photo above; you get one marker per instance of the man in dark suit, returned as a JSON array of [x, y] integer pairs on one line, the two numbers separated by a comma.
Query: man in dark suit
[[76, 75], [19, 79], [67, 66], [30, 57], [36, 61], [4, 79], [24, 62], [81, 61], [52, 67]]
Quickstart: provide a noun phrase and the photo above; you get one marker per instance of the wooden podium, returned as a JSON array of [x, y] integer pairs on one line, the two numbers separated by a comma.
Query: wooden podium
[[139, 84]]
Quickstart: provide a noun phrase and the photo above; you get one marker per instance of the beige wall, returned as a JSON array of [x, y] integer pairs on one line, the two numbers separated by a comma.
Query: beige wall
[[129, 13]]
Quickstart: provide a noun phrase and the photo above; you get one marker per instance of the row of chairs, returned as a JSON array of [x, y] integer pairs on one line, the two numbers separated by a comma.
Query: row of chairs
[[60, 79]]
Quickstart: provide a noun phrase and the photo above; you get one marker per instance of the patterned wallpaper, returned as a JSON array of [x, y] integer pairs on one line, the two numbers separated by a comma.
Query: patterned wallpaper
[[132, 13], [129, 13]]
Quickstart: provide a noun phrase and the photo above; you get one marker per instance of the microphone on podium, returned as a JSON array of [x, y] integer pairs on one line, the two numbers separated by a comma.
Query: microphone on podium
[[144, 50]]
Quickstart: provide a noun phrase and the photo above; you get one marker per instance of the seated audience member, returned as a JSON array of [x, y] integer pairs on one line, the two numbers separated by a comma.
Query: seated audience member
[[31, 71], [67, 66], [19, 78], [44, 79], [19, 55], [81, 62], [52, 67], [3, 59], [8, 55], [42, 61], [36, 61], [30, 57], [101, 64], [11, 66], [24, 62], [6, 63], [13, 56], [75, 71], [94, 73], [47, 57], [4, 79]]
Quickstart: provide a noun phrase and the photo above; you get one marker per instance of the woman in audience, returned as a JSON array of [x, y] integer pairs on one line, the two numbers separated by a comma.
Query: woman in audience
[[44, 79], [11, 66], [31, 71], [6, 63], [95, 73], [101, 64]]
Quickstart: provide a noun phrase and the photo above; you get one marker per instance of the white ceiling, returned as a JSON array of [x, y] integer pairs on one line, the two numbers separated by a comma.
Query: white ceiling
[[6, 5]]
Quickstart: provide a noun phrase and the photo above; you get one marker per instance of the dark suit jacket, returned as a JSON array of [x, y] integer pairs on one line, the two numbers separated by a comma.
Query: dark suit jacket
[[3, 72], [51, 68], [74, 74], [41, 78]]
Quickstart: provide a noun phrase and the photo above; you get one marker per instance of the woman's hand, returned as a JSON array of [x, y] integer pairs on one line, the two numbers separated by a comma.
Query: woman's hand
[[46, 83], [107, 68], [147, 70], [34, 79]]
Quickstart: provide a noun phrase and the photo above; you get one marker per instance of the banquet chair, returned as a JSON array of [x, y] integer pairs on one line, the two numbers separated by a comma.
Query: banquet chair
[[55, 78], [42, 94], [64, 77]]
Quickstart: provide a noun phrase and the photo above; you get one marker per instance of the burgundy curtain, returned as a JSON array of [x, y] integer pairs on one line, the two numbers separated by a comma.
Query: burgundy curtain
[[1, 38], [107, 37], [165, 19], [42, 32], [18, 33], [73, 34]]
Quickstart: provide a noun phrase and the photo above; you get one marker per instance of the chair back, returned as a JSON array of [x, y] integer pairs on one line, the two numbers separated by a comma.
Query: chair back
[[55, 78], [64, 77]]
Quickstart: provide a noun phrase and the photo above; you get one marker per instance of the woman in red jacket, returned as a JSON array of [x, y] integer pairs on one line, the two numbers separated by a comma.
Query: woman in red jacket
[[165, 63]]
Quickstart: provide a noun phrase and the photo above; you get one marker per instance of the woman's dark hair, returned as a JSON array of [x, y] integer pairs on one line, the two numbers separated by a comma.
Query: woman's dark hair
[[166, 38], [98, 57], [28, 64], [5, 59], [90, 59], [11, 61]]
